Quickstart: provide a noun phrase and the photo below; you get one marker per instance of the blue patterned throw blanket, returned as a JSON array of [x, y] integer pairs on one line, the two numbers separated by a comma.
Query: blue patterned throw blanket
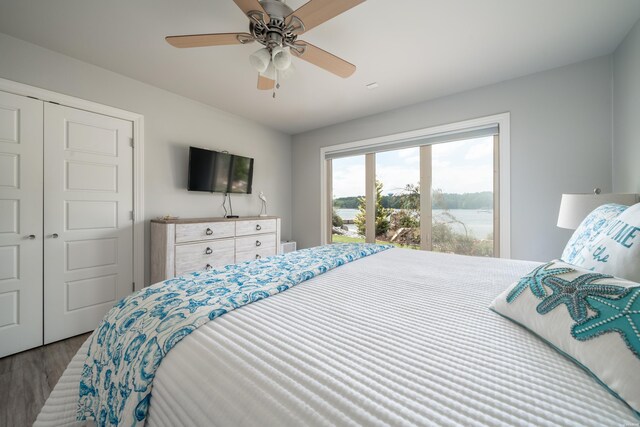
[[130, 343]]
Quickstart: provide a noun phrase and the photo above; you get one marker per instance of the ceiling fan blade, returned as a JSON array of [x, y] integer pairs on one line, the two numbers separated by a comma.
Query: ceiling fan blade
[[265, 83], [325, 60], [249, 5], [201, 40], [315, 12]]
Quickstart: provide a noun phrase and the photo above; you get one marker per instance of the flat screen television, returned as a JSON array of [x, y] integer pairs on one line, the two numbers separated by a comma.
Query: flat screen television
[[217, 172]]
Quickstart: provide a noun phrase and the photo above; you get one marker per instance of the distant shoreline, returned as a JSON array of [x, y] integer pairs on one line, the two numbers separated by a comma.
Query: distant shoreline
[[478, 222]]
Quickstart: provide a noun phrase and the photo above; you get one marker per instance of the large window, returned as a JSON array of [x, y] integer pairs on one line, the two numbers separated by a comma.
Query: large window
[[439, 193]]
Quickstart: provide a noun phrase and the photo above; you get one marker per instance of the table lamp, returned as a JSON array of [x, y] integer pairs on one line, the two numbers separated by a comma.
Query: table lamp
[[575, 207]]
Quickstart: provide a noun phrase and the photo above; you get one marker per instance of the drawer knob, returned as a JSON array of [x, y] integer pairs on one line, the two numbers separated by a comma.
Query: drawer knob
[[258, 243], [208, 267], [258, 227], [208, 251], [209, 232], [258, 256]]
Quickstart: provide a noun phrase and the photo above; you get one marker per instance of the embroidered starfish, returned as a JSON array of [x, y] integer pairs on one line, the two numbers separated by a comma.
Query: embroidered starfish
[[534, 279], [620, 315], [573, 293]]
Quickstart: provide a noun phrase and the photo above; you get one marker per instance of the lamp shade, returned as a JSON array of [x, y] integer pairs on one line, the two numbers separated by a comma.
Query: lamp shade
[[287, 72], [575, 207], [260, 59], [269, 72], [281, 58]]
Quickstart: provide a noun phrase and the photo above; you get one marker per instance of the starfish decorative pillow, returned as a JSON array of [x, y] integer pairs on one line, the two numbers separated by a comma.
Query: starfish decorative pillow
[[615, 248], [592, 318]]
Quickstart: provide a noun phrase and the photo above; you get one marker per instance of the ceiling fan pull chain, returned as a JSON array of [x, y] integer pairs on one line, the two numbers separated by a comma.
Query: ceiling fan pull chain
[[277, 85]]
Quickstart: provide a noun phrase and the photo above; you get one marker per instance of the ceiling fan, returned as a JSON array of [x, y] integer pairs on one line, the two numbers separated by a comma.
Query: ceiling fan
[[276, 26]]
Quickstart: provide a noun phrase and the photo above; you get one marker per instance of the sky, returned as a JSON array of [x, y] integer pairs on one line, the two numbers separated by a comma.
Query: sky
[[458, 167]]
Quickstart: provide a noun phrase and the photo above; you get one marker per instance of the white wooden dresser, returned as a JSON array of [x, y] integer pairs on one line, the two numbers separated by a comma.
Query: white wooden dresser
[[180, 246]]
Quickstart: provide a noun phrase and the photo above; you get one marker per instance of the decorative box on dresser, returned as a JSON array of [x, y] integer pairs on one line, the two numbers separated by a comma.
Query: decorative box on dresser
[[180, 246]]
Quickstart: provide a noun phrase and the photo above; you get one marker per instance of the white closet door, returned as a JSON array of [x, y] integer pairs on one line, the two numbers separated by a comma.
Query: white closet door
[[20, 223], [88, 245]]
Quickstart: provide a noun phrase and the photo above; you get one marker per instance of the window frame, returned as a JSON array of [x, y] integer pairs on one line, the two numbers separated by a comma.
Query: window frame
[[502, 174]]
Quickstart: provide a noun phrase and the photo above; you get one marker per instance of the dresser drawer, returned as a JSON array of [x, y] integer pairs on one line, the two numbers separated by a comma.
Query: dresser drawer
[[256, 241], [204, 231], [256, 253], [197, 256], [244, 228]]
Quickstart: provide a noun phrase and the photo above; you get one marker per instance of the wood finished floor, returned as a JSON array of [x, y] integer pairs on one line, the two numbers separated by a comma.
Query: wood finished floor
[[27, 378]]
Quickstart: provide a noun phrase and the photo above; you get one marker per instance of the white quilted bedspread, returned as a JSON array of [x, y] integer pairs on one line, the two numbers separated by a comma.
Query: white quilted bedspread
[[398, 338]]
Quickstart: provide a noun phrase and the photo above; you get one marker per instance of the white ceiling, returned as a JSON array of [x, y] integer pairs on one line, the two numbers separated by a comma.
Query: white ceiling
[[415, 49]]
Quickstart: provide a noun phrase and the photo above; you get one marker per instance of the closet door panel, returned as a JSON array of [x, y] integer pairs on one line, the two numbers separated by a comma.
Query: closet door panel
[[88, 227], [20, 223]]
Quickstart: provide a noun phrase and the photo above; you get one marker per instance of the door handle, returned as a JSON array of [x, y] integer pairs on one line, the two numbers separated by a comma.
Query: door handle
[[54, 235], [31, 236]]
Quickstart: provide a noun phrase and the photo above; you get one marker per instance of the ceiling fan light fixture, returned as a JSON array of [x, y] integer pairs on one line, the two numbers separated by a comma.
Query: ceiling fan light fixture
[[287, 72], [260, 60], [281, 58], [269, 72]]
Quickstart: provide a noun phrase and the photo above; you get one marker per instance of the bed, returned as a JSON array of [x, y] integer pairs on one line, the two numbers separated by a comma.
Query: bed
[[397, 338]]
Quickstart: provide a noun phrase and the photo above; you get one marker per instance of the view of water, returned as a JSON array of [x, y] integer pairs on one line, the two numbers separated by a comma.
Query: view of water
[[479, 223]]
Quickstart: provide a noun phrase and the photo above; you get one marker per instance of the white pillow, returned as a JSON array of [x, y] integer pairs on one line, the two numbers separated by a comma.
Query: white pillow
[[592, 318], [615, 249], [589, 229]]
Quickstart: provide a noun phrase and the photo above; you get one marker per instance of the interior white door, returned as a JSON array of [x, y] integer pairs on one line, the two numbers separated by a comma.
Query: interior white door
[[20, 223], [88, 226]]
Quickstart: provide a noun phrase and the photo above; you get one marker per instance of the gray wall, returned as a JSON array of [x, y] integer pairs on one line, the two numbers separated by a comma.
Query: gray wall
[[560, 142], [172, 123], [626, 114]]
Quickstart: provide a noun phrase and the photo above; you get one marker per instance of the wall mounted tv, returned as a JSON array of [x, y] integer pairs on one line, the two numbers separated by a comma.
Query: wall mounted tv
[[217, 172]]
